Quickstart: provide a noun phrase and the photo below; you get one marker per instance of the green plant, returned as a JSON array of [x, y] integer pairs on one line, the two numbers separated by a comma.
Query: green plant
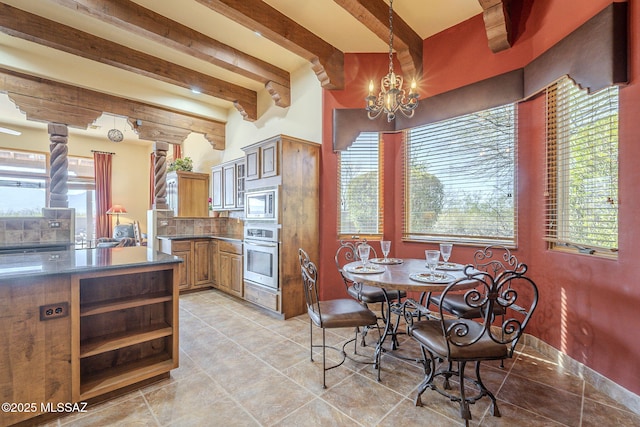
[[181, 164]]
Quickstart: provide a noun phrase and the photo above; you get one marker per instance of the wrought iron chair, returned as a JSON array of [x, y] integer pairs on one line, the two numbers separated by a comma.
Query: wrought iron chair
[[337, 313], [365, 294], [448, 343]]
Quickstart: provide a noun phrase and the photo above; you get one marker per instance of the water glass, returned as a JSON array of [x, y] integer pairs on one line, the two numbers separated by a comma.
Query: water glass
[[432, 261], [363, 253], [385, 245], [445, 250]]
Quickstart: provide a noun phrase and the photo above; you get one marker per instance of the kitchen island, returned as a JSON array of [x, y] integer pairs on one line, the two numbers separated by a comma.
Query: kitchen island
[[78, 325]]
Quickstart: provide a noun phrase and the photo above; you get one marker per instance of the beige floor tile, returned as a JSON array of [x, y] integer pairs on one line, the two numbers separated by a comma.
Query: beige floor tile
[[129, 412], [317, 413]]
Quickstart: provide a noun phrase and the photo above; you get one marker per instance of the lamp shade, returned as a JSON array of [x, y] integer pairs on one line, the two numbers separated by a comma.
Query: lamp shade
[[116, 209]]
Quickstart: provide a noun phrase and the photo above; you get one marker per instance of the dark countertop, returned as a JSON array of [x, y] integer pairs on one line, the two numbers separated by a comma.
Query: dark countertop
[[14, 266], [198, 236]]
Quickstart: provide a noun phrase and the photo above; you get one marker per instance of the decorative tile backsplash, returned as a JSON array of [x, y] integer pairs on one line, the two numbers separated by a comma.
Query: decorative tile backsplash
[[56, 225], [168, 225]]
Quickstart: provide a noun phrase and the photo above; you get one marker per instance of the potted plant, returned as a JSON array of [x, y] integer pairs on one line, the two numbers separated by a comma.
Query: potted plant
[[181, 164]]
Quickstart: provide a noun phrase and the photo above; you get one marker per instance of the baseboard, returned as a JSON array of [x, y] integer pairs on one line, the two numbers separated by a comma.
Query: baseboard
[[597, 380]]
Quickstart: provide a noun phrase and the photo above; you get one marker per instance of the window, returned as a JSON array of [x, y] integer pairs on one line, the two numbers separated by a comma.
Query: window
[[460, 179], [24, 188], [582, 168], [360, 187]]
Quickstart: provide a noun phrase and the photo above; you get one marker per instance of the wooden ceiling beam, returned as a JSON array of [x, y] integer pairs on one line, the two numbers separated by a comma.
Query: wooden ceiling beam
[[374, 14], [146, 23], [497, 23], [327, 61], [28, 26], [47, 101]]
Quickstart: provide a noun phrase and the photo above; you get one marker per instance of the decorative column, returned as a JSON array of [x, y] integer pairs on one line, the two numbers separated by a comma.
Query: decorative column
[[59, 163], [160, 175]]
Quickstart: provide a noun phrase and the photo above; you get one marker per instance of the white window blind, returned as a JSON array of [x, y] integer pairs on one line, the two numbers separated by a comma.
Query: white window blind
[[360, 186], [460, 179], [582, 168]]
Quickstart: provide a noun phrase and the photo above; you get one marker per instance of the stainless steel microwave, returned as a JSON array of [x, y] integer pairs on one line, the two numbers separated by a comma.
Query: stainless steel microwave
[[261, 204]]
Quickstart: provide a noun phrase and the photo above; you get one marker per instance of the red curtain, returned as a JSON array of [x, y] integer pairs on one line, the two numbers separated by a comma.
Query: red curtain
[[177, 151], [152, 180], [102, 165]]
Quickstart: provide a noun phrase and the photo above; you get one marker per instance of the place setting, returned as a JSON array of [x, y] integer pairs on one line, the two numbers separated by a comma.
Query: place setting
[[385, 246], [365, 268], [434, 264]]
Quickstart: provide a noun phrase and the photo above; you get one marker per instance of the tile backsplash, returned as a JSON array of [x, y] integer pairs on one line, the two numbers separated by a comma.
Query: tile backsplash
[[56, 225], [168, 225]]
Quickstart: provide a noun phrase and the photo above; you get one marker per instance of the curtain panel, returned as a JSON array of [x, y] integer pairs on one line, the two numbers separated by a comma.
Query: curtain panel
[[102, 164]]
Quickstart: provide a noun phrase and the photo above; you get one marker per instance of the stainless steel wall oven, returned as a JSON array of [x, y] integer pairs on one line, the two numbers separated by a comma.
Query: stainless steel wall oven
[[261, 251]]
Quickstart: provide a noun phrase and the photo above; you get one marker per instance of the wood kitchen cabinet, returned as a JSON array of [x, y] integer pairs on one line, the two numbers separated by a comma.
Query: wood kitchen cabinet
[[188, 193], [293, 167], [35, 364], [196, 270], [228, 185], [230, 267]]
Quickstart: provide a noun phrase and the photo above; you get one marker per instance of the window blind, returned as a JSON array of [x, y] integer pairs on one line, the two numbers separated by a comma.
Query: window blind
[[460, 178], [582, 167], [360, 185]]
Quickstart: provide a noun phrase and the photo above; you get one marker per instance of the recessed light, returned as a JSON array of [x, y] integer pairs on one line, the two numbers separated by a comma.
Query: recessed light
[[196, 90], [10, 131], [257, 33]]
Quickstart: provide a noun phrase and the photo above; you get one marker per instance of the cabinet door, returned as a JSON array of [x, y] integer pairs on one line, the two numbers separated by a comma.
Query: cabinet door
[[252, 159], [202, 263], [172, 193], [225, 271], [269, 160], [184, 269], [215, 263], [229, 184], [240, 178], [235, 279], [216, 188]]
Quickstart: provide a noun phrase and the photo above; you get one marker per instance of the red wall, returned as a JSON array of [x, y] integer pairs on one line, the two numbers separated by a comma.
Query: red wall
[[588, 306]]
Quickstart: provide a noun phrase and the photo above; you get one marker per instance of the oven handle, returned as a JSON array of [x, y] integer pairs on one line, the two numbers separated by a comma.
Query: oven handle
[[268, 245]]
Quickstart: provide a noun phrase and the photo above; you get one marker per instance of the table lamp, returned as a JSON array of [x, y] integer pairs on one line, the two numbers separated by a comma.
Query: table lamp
[[116, 210]]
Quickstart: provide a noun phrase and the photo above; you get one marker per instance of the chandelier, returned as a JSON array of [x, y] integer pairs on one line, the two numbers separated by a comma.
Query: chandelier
[[392, 96]]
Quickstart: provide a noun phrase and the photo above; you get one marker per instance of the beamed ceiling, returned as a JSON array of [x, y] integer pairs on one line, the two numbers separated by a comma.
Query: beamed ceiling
[[154, 53]]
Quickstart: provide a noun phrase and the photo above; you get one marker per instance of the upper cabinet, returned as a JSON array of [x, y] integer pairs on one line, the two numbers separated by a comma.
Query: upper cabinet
[[228, 185], [187, 193], [262, 159]]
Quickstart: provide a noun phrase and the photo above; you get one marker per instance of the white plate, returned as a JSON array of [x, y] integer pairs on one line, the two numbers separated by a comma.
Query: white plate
[[450, 266], [426, 278], [369, 269], [388, 261]]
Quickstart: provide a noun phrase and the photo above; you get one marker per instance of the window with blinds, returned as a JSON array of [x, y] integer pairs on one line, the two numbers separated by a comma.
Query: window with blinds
[[360, 187], [582, 168], [460, 179]]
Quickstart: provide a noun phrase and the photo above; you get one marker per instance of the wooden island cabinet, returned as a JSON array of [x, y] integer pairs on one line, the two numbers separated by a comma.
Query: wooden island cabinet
[[78, 325]]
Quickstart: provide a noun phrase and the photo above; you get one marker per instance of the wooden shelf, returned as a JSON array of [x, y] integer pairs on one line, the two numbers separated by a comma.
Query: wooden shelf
[[122, 376], [118, 340], [123, 303]]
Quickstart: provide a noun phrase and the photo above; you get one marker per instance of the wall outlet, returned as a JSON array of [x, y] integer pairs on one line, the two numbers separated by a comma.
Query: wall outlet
[[54, 311], [54, 224]]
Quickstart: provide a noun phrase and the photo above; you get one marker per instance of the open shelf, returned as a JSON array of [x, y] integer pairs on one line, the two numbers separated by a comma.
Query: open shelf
[[91, 309], [110, 342], [124, 375]]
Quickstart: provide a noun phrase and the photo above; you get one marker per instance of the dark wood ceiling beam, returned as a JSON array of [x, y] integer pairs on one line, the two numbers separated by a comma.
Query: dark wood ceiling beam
[[374, 14], [143, 22], [327, 61], [497, 23], [49, 101], [28, 26]]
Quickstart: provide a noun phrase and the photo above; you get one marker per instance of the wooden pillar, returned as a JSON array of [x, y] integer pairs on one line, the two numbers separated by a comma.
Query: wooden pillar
[[59, 162], [160, 175]]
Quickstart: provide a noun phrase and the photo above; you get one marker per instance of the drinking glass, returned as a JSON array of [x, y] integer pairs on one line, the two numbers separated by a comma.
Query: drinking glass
[[385, 245], [445, 250], [363, 252], [432, 261]]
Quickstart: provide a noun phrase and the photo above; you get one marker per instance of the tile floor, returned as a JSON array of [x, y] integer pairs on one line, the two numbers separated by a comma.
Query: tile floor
[[241, 367]]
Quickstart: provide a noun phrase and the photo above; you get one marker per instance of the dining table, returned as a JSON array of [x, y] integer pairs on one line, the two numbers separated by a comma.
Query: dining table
[[406, 274]]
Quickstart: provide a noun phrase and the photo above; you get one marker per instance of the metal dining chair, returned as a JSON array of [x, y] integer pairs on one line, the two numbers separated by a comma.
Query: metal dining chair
[[448, 343], [365, 294], [328, 314]]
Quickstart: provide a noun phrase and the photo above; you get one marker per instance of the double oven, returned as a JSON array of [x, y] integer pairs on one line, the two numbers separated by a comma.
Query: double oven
[[261, 238]]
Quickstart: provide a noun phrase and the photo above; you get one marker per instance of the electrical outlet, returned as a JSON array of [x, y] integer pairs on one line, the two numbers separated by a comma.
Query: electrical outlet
[[54, 224], [54, 311]]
